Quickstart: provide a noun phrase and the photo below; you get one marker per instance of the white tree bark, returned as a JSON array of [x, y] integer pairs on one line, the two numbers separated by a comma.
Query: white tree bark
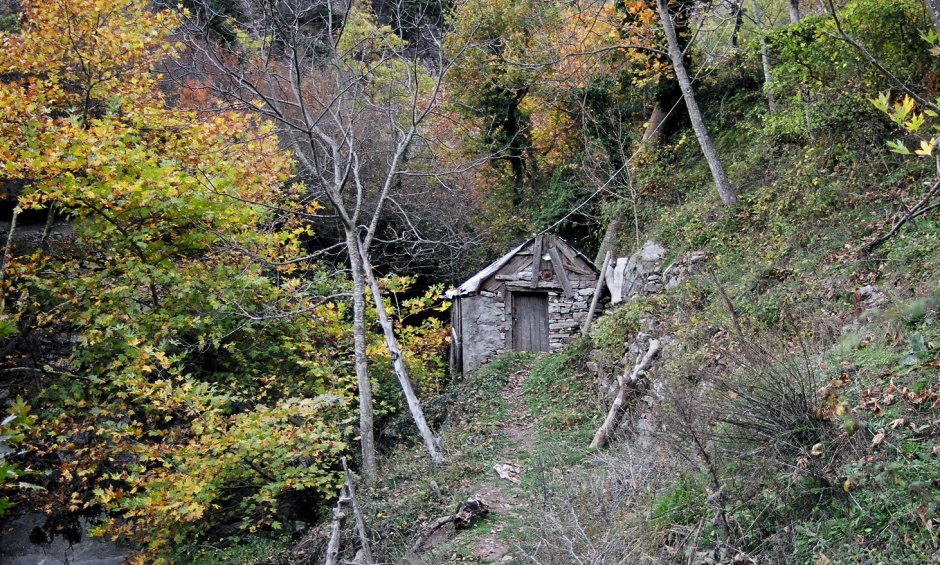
[[627, 385], [414, 405], [795, 11], [725, 192], [366, 423]]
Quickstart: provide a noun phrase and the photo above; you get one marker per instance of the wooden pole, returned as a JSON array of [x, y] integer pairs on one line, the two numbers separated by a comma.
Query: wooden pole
[[597, 295]]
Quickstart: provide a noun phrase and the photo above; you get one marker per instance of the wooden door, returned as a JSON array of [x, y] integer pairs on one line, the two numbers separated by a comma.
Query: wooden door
[[529, 321]]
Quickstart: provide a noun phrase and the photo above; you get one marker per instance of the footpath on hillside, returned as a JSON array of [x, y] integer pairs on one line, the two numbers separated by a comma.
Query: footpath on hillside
[[489, 540]]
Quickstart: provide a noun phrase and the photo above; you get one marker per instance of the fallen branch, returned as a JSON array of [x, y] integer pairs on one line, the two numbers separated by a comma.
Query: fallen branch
[[922, 207], [336, 529], [347, 500], [627, 385], [467, 513], [350, 487]]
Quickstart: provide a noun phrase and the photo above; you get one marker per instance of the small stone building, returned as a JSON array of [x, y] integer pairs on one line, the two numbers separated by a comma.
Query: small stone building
[[511, 306]]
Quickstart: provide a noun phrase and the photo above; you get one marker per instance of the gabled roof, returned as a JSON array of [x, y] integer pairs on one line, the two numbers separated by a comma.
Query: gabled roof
[[473, 284]]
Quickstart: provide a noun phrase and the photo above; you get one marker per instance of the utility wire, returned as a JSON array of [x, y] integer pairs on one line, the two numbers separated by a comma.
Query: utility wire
[[629, 160]]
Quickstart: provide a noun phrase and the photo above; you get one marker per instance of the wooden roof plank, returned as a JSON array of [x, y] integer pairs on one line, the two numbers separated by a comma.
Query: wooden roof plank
[[559, 266], [536, 261]]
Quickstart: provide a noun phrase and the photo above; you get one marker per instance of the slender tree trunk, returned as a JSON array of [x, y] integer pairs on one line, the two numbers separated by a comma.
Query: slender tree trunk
[[366, 427], [765, 63], [653, 131], [414, 405], [768, 74], [933, 8], [738, 20], [795, 11], [627, 384], [695, 114], [610, 238], [7, 257], [48, 227], [596, 297]]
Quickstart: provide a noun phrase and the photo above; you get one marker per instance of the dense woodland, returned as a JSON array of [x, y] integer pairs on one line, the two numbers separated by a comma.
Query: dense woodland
[[228, 228]]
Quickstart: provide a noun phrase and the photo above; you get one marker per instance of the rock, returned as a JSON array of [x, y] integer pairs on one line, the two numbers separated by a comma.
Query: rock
[[627, 277], [652, 252], [508, 471], [654, 284], [16, 547], [686, 265], [870, 297]]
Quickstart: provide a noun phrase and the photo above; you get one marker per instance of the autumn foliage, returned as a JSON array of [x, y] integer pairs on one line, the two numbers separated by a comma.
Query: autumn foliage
[[201, 380]]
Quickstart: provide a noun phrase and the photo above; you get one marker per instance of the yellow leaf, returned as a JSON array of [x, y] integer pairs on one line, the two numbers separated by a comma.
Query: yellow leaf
[[926, 149]]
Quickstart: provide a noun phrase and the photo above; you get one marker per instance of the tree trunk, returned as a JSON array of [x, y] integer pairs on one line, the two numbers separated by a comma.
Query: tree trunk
[[768, 69], [933, 8], [695, 114], [738, 20], [610, 238], [795, 11], [765, 63], [8, 256], [414, 405], [596, 297], [653, 132], [366, 431]]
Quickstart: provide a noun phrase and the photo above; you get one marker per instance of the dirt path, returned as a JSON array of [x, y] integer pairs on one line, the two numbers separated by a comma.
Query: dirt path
[[487, 541], [501, 494]]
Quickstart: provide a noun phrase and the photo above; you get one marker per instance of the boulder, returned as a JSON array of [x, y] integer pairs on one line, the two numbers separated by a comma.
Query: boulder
[[627, 277]]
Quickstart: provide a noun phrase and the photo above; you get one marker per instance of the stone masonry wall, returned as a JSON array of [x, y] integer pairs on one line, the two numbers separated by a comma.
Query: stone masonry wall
[[486, 324]]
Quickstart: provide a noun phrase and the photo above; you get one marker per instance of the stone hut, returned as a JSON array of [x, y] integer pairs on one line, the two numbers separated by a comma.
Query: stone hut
[[511, 306]]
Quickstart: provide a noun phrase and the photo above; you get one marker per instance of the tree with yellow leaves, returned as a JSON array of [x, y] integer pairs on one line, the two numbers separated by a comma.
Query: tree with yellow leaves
[[199, 382]]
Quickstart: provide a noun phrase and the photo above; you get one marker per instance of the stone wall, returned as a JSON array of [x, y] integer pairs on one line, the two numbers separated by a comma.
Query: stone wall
[[567, 315], [485, 325], [486, 322]]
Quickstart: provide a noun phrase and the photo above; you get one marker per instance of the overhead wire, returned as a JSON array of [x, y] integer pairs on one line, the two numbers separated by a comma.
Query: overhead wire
[[629, 160]]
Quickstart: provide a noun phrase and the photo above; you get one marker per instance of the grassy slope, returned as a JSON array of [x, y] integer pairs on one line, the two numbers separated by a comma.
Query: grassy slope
[[787, 257]]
